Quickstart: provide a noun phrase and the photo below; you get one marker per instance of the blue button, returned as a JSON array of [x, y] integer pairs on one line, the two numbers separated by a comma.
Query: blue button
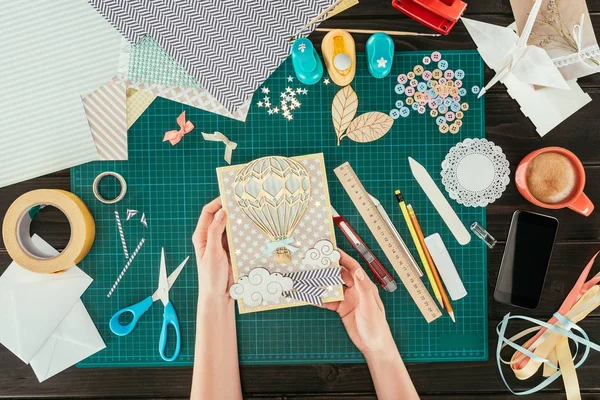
[[439, 101], [440, 120], [415, 105], [400, 88], [459, 74], [422, 87], [443, 109], [443, 65], [404, 112], [462, 92], [475, 89], [400, 104], [455, 107], [448, 102], [432, 94], [428, 84]]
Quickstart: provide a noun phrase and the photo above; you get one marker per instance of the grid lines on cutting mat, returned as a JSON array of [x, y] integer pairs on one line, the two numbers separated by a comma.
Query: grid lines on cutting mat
[[170, 184]]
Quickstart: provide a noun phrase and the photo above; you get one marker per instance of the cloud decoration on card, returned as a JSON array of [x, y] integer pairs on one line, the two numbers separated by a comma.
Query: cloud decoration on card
[[260, 286], [323, 254]]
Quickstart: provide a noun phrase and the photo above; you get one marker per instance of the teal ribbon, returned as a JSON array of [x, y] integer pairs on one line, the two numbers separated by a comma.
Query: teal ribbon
[[566, 331], [287, 243]]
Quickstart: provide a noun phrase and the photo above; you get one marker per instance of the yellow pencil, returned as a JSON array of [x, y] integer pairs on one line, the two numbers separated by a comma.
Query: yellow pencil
[[415, 238], [436, 275]]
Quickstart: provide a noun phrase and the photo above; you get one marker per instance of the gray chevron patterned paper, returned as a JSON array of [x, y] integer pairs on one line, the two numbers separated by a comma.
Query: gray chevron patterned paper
[[229, 46]]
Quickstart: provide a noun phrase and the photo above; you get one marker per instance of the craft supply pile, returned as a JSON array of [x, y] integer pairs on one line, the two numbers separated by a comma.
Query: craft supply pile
[[158, 128]]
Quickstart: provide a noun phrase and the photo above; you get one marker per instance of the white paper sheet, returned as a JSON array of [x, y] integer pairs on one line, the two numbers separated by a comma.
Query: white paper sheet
[[51, 54], [42, 319]]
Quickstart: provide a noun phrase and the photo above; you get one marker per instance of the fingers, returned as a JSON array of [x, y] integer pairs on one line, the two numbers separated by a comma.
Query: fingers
[[214, 240], [347, 277], [348, 262], [366, 292], [200, 235]]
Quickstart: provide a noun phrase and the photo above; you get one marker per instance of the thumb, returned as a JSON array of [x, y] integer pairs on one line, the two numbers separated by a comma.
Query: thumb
[[215, 231], [365, 287]]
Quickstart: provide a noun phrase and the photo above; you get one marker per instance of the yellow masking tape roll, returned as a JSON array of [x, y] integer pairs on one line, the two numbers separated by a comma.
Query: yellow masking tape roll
[[17, 239]]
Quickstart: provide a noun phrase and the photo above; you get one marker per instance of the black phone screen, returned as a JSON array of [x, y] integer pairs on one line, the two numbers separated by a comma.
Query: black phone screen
[[526, 257]]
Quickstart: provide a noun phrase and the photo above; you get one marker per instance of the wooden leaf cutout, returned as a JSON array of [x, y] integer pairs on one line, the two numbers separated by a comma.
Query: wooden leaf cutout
[[369, 127], [343, 109]]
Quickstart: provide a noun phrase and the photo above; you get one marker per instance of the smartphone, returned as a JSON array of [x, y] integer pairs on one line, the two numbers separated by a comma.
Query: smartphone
[[526, 258]]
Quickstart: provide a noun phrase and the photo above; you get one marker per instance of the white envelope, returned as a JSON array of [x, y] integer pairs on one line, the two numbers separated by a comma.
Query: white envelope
[[33, 305], [75, 339]]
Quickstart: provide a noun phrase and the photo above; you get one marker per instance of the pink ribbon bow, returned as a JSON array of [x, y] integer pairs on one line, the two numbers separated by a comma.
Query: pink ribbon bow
[[185, 127]]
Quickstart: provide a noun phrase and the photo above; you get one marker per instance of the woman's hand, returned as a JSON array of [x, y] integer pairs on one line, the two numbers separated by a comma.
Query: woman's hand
[[361, 310], [212, 252]]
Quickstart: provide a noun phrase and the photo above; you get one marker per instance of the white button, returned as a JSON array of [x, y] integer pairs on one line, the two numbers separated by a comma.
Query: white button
[[342, 61]]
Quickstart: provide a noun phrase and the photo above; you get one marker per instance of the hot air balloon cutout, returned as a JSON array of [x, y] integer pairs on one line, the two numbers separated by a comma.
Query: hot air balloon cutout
[[280, 233], [274, 193]]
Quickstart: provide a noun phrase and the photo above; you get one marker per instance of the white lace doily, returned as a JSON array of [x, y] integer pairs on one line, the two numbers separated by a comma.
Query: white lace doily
[[475, 172]]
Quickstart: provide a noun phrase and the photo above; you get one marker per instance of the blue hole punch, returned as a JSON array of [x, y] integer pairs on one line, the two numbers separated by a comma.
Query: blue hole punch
[[306, 61], [380, 54]]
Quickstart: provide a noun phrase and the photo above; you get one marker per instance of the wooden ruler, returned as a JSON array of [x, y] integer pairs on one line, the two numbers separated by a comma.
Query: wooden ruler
[[386, 239]]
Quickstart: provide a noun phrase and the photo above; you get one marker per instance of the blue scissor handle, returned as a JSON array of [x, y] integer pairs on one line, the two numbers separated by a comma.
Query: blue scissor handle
[[169, 318], [137, 310]]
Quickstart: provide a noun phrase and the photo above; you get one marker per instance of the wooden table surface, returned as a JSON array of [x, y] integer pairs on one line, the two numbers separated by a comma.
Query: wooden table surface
[[578, 239]]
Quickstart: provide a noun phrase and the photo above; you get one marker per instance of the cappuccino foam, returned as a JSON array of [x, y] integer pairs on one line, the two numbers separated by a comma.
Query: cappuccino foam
[[551, 178]]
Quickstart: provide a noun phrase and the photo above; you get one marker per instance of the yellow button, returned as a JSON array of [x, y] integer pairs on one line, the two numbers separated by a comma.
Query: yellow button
[[444, 128], [409, 100], [464, 106], [418, 70]]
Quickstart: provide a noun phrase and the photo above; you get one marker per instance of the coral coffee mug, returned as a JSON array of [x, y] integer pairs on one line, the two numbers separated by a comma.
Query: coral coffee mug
[[553, 177]]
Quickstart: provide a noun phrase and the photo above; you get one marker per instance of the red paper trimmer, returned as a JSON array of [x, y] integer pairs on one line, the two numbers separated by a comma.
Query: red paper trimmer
[[439, 15]]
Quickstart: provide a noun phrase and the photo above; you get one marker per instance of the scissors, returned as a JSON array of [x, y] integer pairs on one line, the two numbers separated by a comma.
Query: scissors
[[169, 315]]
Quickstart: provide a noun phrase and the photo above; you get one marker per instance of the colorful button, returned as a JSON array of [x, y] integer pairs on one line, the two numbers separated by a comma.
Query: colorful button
[[455, 107], [409, 91], [402, 78], [404, 112], [440, 120], [437, 73], [434, 83], [459, 115], [456, 99], [448, 102], [432, 94], [413, 82], [443, 65], [475, 89], [443, 109], [433, 105], [410, 75], [433, 113], [421, 110], [450, 84], [426, 75], [400, 88], [464, 106], [436, 56], [442, 81], [423, 103], [458, 83], [415, 106], [459, 74], [449, 74], [419, 97], [462, 92], [426, 60], [449, 116], [400, 104], [395, 114], [409, 101], [454, 129], [422, 87], [439, 101], [418, 70], [443, 128], [458, 123]]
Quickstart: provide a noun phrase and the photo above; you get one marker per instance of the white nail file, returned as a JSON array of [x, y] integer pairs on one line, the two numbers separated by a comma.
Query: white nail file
[[445, 266], [439, 202]]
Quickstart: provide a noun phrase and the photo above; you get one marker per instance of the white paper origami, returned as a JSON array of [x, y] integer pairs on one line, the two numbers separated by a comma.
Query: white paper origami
[[42, 319], [521, 67]]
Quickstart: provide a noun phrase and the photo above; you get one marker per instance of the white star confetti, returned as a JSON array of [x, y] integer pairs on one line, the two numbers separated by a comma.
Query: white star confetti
[[290, 78], [381, 63], [260, 104], [276, 110], [265, 90], [326, 81]]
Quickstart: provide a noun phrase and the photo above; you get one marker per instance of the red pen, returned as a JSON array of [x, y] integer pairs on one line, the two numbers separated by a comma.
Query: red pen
[[382, 276]]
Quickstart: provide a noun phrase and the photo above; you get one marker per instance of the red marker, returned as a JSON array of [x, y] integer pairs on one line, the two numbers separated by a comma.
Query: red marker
[[382, 276]]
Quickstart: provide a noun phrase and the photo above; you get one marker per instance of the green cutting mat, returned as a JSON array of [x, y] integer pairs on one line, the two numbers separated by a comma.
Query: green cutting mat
[[171, 184]]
